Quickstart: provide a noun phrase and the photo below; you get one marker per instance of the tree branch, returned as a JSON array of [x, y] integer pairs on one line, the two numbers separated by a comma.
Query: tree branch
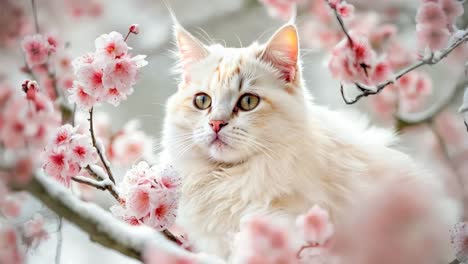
[[99, 183], [428, 60], [99, 224]]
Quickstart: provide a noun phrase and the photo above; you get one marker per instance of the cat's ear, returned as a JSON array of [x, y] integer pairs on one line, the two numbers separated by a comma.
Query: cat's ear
[[282, 51], [191, 50]]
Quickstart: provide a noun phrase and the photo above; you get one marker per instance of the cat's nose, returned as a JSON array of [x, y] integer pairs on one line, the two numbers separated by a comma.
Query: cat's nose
[[216, 125]]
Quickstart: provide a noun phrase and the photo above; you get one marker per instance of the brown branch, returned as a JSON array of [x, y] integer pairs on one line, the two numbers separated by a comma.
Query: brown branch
[[104, 187], [100, 154], [430, 60], [102, 227]]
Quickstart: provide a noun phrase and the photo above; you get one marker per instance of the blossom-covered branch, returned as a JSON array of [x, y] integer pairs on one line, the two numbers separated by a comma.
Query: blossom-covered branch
[[96, 222], [366, 90]]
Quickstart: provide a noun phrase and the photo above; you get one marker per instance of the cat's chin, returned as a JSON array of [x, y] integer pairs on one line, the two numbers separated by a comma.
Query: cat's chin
[[219, 151]]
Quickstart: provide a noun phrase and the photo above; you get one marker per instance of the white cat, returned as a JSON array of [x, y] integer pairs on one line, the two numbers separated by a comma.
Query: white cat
[[247, 138]]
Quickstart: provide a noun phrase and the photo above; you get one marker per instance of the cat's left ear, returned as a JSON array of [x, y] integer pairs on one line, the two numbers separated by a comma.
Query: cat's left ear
[[191, 50], [282, 51]]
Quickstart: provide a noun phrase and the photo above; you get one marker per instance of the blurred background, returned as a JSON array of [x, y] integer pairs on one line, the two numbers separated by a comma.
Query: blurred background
[[77, 23]]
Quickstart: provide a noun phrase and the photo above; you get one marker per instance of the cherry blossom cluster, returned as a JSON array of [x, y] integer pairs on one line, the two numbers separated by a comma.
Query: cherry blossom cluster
[[14, 23], [34, 231], [435, 22], [67, 154], [108, 74], [407, 94], [283, 9], [150, 196], [261, 241], [27, 119], [354, 60], [130, 144], [9, 246], [37, 49], [82, 8]]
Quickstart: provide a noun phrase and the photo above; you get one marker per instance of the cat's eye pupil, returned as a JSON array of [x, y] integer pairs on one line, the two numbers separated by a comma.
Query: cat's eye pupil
[[202, 101], [248, 102]]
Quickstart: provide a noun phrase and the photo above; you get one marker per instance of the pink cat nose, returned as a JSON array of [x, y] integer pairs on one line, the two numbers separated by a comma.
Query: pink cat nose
[[216, 125]]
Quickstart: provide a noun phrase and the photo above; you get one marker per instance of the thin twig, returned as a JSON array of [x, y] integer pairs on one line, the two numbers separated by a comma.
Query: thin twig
[[100, 154], [58, 249], [430, 60], [34, 10], [109, 187]]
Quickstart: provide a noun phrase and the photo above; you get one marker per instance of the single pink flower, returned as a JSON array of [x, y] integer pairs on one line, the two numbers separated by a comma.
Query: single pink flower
[[111, 45], [9, 250], [34, 231], [81, 97], [315, 225], [36, 49], [138, 202], [452, 9], [121, 74], [431, 13], [433, 37]]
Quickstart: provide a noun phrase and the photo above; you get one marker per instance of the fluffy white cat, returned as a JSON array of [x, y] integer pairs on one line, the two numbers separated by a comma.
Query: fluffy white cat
[[248, 140]]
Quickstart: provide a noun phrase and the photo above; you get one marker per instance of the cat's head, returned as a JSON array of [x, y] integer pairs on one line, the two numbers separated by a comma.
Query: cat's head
[[233, 103]]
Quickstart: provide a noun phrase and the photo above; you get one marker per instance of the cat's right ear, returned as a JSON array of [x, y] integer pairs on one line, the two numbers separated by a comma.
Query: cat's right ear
[[191, 50]]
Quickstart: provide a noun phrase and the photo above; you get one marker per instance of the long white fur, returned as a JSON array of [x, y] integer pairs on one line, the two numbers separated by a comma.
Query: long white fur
[[282, 158]]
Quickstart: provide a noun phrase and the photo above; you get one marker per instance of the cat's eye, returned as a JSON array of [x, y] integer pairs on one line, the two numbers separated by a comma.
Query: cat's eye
[[202, 101], [248, 102]]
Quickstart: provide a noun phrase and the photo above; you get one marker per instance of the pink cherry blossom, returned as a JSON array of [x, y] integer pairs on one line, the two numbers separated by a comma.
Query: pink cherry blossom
[[81, 97], [120, 74], [344, 9], [111, 45], [280, 8], [130, 144], [36, 49], [27, 119], [431, 13], [435, 38], [402, 214], [168, 177], [163, 209], [356, 62], [148, 201], [262, 242], [9, 250], [452, 9], [64, 134], [138, 203], [90, 75], [82, 150], [34, 231], [108, 74], [10, 206], [67, 154], [134, 29], [315, 225]]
